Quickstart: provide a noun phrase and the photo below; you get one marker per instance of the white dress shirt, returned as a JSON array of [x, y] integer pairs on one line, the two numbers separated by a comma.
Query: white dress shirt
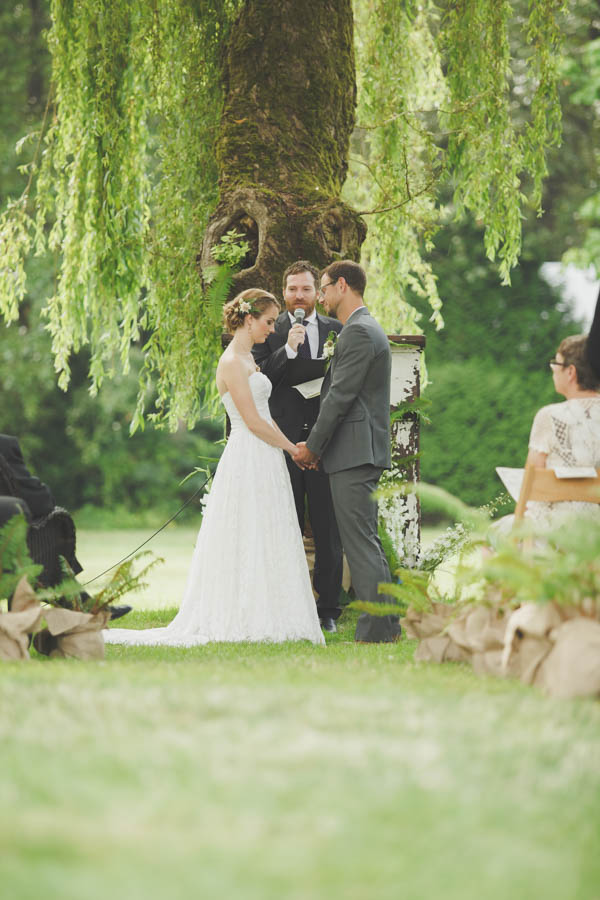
[[312, 333]]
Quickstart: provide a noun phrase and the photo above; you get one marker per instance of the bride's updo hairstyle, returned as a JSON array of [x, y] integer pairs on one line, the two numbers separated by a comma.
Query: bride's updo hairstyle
[[252, 302]]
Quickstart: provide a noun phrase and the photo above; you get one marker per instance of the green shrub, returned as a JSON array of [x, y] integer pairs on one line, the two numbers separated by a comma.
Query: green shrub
[[481, 418]]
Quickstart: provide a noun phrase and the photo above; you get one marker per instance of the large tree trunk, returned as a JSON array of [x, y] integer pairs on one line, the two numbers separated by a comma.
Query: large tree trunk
[[282, 147]]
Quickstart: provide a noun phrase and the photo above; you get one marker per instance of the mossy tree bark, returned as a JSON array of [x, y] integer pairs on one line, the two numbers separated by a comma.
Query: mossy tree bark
[[282, 146]]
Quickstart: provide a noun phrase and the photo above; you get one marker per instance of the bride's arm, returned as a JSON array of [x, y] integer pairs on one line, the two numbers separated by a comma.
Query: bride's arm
[[292, 452], [236, 380]]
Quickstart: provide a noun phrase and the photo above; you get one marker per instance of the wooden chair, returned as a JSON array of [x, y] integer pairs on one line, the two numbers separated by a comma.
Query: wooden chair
[[543, 485]]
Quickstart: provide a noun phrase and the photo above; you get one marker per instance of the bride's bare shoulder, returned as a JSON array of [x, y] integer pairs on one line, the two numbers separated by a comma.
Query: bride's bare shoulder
[[229, 363], [230, 370]]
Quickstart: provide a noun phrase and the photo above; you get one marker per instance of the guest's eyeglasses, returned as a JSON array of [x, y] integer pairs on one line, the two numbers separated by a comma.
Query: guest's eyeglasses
[[555, 362], [324, 287]]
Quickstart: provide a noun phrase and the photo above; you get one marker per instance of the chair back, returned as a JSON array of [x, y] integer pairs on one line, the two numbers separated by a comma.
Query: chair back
[[542, 485]]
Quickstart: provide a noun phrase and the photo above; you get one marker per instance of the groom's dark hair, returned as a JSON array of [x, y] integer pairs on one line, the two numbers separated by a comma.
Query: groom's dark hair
[[296, 268], [353, 274]]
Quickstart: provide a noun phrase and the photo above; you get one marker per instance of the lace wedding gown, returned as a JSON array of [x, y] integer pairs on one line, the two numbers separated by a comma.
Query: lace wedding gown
[[248, 579]]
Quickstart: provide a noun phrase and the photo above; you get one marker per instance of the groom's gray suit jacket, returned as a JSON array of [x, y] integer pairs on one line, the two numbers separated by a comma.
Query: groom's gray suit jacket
[[353, 426]]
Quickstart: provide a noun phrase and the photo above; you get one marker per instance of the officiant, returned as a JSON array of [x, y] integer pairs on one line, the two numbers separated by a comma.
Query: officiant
[[293, 355]]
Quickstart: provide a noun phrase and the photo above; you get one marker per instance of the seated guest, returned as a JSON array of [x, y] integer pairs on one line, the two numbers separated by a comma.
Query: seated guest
[[566, 433], [34, 499], [34, 492]]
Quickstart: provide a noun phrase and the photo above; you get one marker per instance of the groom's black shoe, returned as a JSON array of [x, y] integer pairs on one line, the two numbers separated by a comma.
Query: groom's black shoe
[[117, 611], [328, 624]]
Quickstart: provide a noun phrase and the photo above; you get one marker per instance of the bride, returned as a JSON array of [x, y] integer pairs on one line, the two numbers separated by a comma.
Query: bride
[[248, 580]]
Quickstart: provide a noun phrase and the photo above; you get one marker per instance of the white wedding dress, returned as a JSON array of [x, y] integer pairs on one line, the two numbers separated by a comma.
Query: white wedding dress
[[248, 579]]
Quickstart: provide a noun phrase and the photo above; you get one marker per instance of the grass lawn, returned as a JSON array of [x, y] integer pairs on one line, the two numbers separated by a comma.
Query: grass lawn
[[288, 771], [98, 549]]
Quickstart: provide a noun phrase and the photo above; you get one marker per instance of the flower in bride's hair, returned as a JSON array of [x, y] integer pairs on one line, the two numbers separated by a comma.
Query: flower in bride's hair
[[245, 307]]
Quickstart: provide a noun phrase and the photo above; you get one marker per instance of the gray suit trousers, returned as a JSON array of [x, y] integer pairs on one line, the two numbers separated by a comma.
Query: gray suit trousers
[[356, 514]]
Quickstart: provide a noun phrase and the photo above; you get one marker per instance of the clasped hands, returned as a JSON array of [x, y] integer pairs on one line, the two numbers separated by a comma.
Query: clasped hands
[[305, 458]]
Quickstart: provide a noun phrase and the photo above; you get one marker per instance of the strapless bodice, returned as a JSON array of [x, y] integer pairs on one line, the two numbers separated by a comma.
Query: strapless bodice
[[260, 387]]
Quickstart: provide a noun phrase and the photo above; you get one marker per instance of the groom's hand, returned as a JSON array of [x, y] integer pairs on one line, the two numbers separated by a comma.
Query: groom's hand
[[305, 458]]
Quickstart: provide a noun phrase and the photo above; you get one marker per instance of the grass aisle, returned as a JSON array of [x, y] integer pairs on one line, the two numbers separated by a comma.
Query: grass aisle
[[291, 772]]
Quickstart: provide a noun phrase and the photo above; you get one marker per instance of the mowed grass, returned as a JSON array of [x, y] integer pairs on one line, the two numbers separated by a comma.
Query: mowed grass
[[97, 550], [292, 771]]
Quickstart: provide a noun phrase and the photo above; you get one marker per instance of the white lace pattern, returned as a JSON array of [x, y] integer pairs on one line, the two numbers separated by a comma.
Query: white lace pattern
[[569, 433], [248, 579]]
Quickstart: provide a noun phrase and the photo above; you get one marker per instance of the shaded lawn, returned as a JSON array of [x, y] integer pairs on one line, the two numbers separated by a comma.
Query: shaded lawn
[[258, 771]]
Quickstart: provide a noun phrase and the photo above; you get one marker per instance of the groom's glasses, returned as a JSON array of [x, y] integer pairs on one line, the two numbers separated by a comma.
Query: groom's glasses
[[324, 287], [555, 362]]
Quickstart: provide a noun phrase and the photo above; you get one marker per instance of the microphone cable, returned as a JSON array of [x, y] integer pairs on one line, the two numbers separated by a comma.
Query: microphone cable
[[168, 522]]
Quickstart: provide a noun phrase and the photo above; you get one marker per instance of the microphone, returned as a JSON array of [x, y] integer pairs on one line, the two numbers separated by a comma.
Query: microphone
[[298, 318]]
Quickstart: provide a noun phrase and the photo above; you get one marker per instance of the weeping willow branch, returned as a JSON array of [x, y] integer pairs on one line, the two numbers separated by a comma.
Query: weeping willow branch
[[124, 179]]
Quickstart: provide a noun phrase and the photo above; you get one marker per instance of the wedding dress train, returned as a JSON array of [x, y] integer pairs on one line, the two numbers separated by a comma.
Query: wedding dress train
[[248, 579]]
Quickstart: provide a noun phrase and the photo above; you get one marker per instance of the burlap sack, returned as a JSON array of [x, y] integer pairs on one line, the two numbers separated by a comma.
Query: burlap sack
[[487, 662], [478, 629], [24, 597], [419, 624], [15, 628], [77, 634], [572, 667], [527, 639], [440, 648]]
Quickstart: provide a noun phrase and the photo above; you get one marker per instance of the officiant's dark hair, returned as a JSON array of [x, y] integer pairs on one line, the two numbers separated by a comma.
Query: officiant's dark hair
[[573, 352], [353, 274], [296, 268], [258, 300]]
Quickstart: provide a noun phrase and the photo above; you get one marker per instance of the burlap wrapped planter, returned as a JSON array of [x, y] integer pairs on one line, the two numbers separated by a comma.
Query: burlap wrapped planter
[[15, 628], [72, 634], [553, 647], [19, 623]]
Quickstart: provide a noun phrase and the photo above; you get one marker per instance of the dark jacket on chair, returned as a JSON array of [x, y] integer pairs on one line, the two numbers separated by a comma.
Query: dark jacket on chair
[[51, 532], [36, 494]]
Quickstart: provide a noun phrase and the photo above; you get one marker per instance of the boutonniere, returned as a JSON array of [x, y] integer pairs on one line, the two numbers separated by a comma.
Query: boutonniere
[[329, 348]]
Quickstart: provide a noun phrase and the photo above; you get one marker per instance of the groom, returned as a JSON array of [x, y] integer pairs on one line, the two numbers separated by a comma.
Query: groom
[[352, 436], [291, 355]]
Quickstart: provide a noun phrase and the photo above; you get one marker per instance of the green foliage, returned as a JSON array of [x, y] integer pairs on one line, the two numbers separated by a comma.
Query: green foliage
[[388, 547], [231, 249], [488, 368], [81, 445], [124, 186], [482, 417], [15, 561], [439, 111], [24, 72], [125, 177], [562, 568], [583, 73], [416, 407], [123, 581]]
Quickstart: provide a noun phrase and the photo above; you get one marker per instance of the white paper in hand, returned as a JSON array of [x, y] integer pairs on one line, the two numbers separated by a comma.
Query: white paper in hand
[[310, 389], [512, 479], [574, 471]]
